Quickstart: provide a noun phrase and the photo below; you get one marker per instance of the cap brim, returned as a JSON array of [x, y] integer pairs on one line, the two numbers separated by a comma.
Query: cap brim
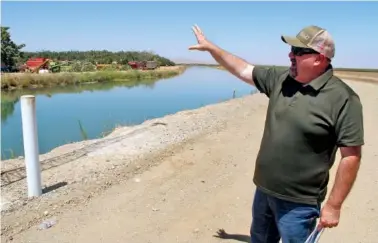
[[293, 41]]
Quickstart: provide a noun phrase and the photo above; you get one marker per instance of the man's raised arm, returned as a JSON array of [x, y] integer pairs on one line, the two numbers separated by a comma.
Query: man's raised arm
[[235, 65]]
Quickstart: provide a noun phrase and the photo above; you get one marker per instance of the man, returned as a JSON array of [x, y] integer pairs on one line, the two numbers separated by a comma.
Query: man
[[311, 114]]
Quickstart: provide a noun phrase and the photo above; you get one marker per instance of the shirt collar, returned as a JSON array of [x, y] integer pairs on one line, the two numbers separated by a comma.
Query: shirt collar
[[320, 81]]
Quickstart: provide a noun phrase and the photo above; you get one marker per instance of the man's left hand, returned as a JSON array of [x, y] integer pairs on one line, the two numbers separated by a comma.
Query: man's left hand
[[329, 216]]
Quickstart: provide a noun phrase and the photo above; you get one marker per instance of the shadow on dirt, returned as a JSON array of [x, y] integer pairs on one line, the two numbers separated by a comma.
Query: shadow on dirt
[[54, 187], [221, 233]]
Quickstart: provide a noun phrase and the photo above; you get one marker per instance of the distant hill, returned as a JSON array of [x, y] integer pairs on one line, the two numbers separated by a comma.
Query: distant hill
[[192, 61]]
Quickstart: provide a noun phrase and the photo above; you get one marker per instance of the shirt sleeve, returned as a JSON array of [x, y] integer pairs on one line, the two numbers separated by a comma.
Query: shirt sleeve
[[265, 78], [349, 125]]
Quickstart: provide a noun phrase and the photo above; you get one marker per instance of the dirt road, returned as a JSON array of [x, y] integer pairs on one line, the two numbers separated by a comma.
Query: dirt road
[[205, 184]]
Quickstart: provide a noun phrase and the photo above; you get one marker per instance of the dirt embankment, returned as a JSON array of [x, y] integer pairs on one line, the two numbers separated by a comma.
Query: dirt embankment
[[174, 179], [371, 77]]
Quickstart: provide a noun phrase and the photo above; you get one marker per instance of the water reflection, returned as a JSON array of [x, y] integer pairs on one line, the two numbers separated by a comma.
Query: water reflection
[[7, 106], [10, 98]]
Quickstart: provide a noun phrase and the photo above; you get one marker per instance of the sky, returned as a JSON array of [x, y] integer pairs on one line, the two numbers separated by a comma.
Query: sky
[[250, 30]]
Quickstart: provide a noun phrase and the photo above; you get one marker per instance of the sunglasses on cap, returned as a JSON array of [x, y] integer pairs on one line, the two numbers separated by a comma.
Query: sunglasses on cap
[[300, 51]]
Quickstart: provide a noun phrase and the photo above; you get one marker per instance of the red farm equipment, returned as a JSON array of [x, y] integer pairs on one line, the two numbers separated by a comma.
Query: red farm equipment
[[35, 64], [143, 65]]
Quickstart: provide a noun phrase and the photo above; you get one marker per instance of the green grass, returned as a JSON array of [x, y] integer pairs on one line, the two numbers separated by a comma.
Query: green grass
[[12, 155], [31, 80], [83, 133]]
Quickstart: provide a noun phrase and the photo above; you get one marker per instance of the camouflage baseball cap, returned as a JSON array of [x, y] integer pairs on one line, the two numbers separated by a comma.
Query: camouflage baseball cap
[[313, 37]]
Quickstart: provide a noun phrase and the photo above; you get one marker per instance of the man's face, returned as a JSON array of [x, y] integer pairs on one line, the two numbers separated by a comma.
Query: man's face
[[303, 61]]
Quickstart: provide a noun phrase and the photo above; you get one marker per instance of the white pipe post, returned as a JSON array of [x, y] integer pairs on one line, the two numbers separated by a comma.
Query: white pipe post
[[31, 149]]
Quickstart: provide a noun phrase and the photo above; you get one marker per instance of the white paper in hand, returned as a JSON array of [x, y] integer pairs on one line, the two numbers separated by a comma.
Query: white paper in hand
[[315, 235]]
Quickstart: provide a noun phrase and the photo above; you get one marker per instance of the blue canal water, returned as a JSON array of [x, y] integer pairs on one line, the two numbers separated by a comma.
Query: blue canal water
[[101, 107]]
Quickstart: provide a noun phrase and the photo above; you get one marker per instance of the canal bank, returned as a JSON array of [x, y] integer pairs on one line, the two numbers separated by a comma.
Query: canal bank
[[14, 81]]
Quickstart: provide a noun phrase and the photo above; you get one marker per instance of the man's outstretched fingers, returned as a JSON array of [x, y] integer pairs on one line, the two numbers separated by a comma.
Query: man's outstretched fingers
[[198, 29]]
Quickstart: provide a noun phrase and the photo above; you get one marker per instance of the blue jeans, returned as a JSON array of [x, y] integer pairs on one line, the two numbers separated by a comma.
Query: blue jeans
[[273, 218]]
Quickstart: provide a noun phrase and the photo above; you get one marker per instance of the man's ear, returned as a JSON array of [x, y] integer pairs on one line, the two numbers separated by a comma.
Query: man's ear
[[320, 59]]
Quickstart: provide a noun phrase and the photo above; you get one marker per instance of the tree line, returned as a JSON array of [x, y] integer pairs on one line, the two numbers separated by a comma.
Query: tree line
[[100, 57], [10, 51], [12, 54]]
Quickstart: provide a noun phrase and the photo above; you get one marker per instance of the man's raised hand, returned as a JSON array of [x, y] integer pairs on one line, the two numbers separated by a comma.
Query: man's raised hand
[[203, 44]]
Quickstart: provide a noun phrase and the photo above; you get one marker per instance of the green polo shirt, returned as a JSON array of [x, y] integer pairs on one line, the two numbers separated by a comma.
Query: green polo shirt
[[305, 125]]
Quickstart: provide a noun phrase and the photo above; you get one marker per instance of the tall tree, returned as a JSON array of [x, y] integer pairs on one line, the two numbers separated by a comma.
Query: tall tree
[[10, 51]]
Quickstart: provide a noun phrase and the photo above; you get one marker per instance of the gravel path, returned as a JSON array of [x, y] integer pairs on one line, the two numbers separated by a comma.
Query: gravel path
[[175, 179]]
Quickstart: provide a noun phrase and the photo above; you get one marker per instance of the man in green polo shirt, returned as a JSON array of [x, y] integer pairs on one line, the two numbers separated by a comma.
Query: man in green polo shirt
[[311, 114]]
